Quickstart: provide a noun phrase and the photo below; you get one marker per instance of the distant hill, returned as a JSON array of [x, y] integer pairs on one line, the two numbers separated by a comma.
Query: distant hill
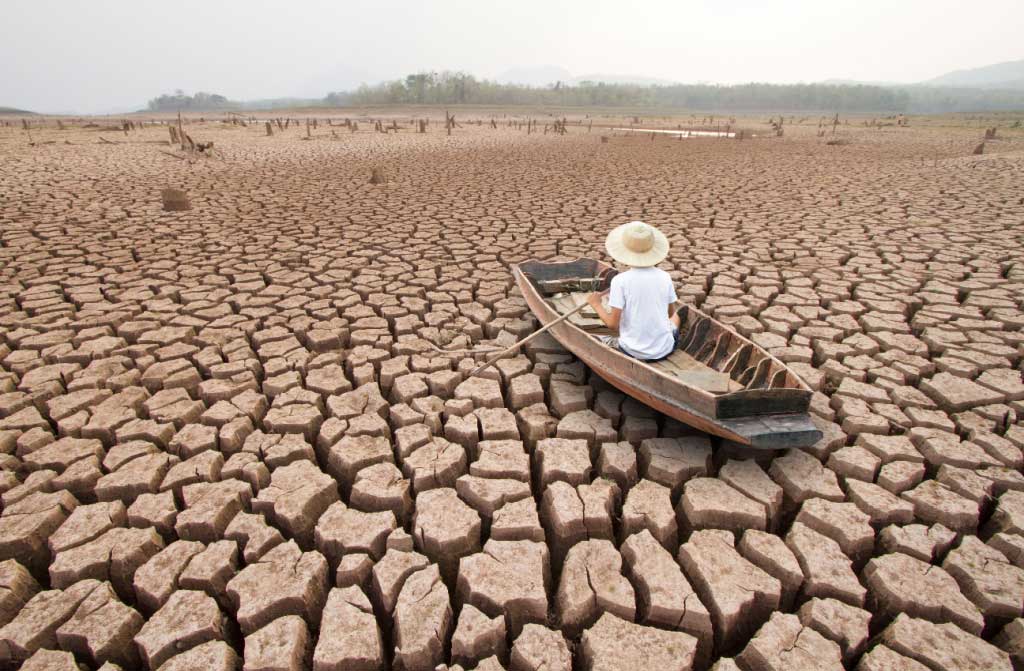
[[547, 75], [534, 76], [15, 110], [1008, 75]]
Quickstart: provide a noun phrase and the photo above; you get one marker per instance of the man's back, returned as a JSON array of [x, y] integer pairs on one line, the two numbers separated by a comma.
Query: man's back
[[643, 295]]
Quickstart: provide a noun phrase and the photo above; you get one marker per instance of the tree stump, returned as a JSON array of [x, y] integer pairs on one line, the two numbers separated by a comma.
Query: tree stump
[[979, 150], [270, 129], [377, 176], [175, 200]]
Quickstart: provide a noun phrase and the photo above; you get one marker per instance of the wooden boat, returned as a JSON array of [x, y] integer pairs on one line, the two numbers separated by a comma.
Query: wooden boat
[[716, 380]]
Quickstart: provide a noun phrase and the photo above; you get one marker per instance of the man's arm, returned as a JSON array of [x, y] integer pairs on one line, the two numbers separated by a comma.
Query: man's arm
[[610, 318]]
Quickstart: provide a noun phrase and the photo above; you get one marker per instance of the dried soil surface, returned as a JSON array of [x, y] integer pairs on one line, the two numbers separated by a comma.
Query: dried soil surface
[[225, 440]]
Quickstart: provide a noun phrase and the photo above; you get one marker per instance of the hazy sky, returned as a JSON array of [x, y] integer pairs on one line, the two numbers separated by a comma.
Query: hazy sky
[[114, 55]]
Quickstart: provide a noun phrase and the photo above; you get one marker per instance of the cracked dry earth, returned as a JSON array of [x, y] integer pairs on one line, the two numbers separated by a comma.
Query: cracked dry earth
[[225, 443]]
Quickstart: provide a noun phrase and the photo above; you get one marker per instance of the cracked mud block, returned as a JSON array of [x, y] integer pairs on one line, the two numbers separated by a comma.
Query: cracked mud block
[[591, 583], [101, 629], [943, 646], [35, 626], [342, 530], [564, 460], [154, 510], [739, 595], [899, 476], [26, 525], [423, 621], [253, 535], [750, 479], [212, 656], [86, 523], [839, 622], [648, 506], [710, 503], [353, 570], [409, 438], [942, 448], [882, 658], [276, 450], [17, 586], [187, 620], [827, 571], [784, 643], [497, 424], [770, 553], [350, 455], [614, 643], [1008, 516], [900, 583], [210, 570], [157, 579], [445, 529], [540, 648], [1011, 546], [349, 635], [209, 508], [844, 523], [300, 587], [987, 578], [381, 487], [390, 573], [956, 394], [566, 398], [524, 390], [517, 520], [439, 463], [665, 597], [572, 514], [1010, 639], [854, 463], [535, 424], [279, 646], [882, 507], [193, 439], [298, 495], [204, 467], [463, 430], [802, 477], [586, 425], [477, 637], [501, 459], [485, 393], [133, 478], [52, 660], [114, 556], [486, 495], [917, 540], [508, 578], [673, 461], [935, 503], [617, 461]]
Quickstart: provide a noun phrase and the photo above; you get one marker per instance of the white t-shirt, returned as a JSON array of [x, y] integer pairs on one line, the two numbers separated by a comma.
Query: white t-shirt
[[643, 295]]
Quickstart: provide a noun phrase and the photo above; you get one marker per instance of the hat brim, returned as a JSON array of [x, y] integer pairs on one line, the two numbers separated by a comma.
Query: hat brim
[[617, 249]]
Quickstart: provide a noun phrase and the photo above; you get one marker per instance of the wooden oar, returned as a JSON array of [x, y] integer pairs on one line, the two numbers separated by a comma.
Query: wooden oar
[[511, 348]]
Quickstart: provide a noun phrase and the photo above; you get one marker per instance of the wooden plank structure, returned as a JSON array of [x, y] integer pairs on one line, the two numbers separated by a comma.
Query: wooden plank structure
[[716, 381]]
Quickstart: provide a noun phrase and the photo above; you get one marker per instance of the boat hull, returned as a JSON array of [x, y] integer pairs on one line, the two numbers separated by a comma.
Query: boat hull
[[674, 399]]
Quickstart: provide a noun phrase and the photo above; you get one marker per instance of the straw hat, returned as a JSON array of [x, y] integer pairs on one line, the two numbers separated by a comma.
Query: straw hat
[[637, 244]]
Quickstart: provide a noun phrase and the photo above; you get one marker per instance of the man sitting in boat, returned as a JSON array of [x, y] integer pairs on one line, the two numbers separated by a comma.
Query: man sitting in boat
[[641, 301]]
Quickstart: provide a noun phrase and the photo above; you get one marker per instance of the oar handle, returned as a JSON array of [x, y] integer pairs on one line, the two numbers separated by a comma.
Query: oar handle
[[511, 348]]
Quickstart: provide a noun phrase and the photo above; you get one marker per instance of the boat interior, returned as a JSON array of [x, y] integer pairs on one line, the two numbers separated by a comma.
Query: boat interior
[[709, 357]]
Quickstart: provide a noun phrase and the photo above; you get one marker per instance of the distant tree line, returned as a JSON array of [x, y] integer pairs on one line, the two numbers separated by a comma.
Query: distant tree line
[[179, 100], [459, 88]]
